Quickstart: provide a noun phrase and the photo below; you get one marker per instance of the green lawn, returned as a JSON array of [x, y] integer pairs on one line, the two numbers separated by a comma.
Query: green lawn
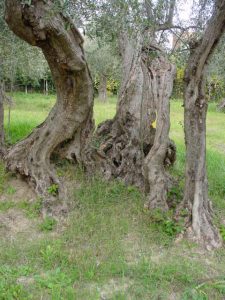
[[109, 247]]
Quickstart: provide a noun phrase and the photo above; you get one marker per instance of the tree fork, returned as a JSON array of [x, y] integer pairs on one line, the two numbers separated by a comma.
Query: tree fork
[[71, 117]]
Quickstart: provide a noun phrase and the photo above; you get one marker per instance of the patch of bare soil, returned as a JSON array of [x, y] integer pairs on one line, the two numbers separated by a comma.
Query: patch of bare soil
[[14, 222], [132, 248], [22, 191], [111, 288]]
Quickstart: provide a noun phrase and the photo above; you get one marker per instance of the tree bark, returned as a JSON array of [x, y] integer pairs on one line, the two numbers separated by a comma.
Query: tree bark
[[103, 88], [71, 118], [120, 145], [163, 75], [2, 136], [196, 199]]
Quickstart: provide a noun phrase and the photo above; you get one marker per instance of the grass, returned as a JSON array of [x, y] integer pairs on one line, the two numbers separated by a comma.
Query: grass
[[30, 110], [108, 247]]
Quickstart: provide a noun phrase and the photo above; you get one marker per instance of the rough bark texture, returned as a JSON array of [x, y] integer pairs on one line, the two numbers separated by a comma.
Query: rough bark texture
[[196, 199], [120, 145], [163, 74], [2, 146], [103, 88], [71, 118]]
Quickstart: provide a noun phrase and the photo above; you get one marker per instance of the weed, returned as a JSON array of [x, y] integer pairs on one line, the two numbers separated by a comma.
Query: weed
[[53, 189], [31, 208], [165, 222], [10, 190], [48, 224], [6, 205], [202, 290], [9, 288], [222, 232], [174, 196]]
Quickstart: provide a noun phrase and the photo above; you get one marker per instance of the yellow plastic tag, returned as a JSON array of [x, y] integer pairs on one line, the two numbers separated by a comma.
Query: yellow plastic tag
[[154, 124]]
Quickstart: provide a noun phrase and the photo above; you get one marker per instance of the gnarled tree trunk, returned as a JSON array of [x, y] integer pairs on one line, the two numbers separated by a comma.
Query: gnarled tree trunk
[[163, 74], [2, 139], [71, 118], [120, 145], [196, 199]]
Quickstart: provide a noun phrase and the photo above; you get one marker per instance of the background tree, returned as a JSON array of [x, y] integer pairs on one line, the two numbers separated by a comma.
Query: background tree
[[216, 73], [20, 64], [104, 64], [31, 66]]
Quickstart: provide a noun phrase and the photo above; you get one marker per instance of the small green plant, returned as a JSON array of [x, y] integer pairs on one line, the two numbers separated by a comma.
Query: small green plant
[[12, 291], [32, 209], [165, 222], [174, 196], [6, 205], [222, 232], [48, 224], [10, 190], [200, 291], [9, 287], [53, 189]]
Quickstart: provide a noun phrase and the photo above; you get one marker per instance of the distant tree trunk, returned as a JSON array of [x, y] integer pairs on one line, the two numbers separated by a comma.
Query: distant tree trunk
[[2, 138], [103, 88], [71, 117], [196, 199], [25, 89], [120, 145], [221, 105], [46, 87]]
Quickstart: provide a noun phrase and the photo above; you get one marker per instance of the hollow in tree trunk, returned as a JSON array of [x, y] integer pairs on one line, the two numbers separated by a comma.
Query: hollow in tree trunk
[[196, 200], [71, 118], [103, 88], [120, 145]]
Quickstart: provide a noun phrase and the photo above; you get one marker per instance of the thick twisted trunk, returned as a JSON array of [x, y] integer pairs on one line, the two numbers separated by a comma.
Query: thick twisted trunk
[[120, 145], [163, 74], [71, 117], [196, 199]]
